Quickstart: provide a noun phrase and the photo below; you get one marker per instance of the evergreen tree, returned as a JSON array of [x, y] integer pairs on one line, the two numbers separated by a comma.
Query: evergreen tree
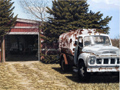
[[70, 15], [7, 20]]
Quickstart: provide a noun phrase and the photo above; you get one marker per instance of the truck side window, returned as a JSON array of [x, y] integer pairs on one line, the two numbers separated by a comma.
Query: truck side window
[[87, 41], [81, 44]]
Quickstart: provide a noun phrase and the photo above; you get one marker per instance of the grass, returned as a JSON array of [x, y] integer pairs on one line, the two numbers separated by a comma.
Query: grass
[[115, 42], [39, 76]]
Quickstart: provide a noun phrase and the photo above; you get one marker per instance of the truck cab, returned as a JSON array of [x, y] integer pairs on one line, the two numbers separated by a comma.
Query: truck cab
[[95, 53]]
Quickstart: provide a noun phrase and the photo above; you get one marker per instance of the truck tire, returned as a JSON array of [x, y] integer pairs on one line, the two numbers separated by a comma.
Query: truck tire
[[83, 75], [63, 66]]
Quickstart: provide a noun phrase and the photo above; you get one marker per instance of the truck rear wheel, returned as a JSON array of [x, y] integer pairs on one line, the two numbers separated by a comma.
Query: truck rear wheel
[[83, 75], [63, 66]]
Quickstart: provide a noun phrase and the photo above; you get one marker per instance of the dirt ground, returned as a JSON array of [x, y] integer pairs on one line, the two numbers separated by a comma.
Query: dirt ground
[[34, 75]]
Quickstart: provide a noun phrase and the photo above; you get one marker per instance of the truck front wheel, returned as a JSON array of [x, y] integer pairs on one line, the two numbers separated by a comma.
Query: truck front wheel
[[83, 75]]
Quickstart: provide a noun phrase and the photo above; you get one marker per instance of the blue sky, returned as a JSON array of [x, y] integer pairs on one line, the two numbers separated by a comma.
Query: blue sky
[[107, 7]]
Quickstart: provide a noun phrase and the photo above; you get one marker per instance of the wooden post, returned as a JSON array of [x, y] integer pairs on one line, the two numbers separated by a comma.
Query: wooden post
[[38, 47], [39, 42], [3, 49]]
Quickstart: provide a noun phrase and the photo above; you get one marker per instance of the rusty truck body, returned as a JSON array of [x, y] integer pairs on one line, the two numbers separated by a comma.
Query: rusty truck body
[[89, 51]]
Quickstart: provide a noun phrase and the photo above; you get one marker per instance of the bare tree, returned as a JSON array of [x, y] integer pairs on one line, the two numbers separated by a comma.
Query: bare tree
[[37, 9]]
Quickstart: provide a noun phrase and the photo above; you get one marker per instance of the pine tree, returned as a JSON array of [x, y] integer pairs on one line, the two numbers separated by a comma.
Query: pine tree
[[70, 15], [7, 19], [95, 21]]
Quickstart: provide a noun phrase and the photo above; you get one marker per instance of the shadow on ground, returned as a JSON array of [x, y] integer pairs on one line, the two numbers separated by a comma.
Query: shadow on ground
[[98, 78], [21, 58]]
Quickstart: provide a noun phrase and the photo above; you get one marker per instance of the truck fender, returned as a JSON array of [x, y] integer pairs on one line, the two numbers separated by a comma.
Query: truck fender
[[84, 57]]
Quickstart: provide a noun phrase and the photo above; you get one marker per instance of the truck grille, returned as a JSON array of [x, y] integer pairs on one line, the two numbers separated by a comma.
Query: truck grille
[[108, 61]]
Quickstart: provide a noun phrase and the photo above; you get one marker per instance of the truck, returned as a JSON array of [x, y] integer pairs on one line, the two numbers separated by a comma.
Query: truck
[[89, 52]]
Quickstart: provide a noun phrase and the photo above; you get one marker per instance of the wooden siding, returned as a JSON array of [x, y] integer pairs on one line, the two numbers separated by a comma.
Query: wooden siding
[[25, 24], [24, 30]]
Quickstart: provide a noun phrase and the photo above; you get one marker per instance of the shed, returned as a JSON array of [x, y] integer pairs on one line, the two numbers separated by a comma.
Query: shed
[[22, 37]]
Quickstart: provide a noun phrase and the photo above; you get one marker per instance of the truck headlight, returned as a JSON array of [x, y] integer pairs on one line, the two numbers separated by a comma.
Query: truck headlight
[[92, 59]]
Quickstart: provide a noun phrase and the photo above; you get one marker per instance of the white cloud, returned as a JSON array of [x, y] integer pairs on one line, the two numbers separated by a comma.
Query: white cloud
[[114, 2], [104, 4]]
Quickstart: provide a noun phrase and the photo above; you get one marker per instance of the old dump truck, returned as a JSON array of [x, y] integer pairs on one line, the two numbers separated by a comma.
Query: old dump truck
[[89, 51]]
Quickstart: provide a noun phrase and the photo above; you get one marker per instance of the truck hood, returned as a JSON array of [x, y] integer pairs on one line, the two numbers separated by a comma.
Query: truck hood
[[101, 50]]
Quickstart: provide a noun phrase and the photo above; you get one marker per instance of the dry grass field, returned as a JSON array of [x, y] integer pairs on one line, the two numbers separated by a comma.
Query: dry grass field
[[34, 75], [116, 42]]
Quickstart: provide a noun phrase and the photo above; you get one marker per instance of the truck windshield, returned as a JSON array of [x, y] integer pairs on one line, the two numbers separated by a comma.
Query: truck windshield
[[96, 40]]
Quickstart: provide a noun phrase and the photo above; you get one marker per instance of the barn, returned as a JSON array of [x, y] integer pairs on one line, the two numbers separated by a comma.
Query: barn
[[23, 39]]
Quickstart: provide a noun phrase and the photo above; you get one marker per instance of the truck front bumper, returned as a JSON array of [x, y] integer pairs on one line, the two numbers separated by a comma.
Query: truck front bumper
[[103, 69]]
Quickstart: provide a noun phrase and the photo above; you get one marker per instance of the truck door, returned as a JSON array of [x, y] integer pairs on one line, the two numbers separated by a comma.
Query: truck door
[[78, 49]]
